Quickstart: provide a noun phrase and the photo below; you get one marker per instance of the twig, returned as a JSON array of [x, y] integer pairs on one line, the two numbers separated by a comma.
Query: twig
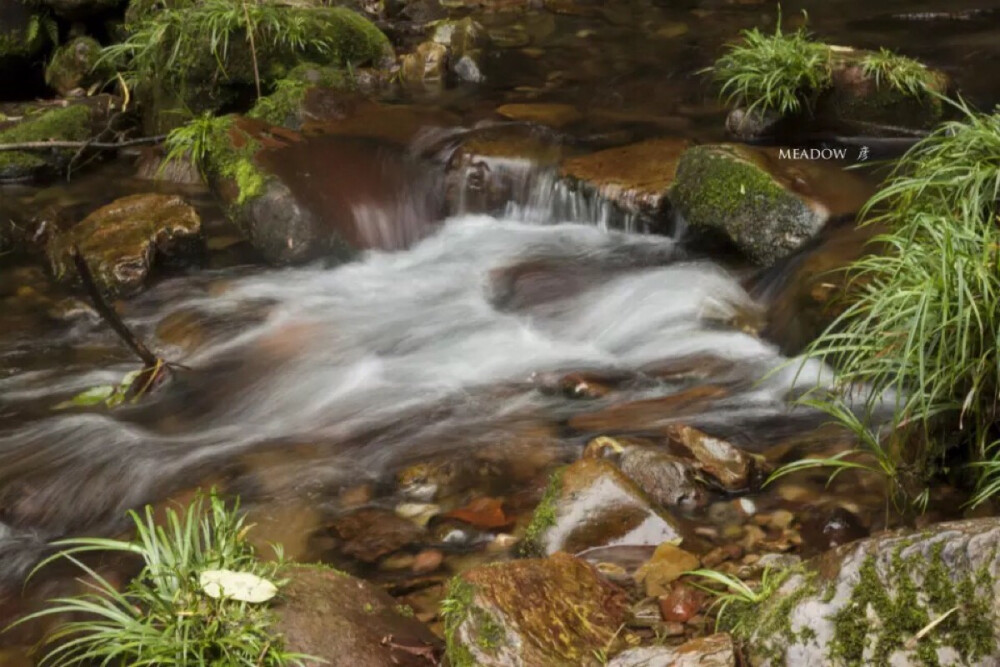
[[45, 145], [109, 315], [253, 48]]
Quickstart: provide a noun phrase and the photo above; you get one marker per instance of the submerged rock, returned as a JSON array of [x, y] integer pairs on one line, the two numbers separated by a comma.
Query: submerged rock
[[557, 612], [550, 114], [713, 651], [873, 602], [765, 205], [73, 66], [121, 241], [590, 504], [636, 178], [347, 622]]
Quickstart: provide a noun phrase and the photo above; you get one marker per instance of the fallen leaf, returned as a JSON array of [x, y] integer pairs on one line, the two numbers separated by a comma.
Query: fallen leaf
[[240, 586], [483, 512]]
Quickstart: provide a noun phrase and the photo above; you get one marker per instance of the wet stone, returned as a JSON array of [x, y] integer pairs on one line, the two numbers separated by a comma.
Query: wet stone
[[555, 611], [668, 480], [348, 622], [731, 467], [635, 178], [121, 241], [712, 651], [591, 503], [370, 533], [73, 66]]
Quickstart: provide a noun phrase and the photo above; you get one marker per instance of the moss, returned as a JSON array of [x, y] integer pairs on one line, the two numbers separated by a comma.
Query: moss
[[71, 123], [230, 155], [405, 610], [883, 613], [281, 106], [770, 621], [543, 518], [455, 608], [27, 41], [73, 65], [715, 181]]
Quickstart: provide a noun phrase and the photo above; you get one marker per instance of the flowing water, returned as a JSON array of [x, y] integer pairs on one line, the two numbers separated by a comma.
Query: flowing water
[[302, 384]]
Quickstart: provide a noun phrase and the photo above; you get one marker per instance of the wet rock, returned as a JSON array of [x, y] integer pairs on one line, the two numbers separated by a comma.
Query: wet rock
[[75, 120], [681, 603], [591, 503], [426, 65], [348, 623], [368, 534], [121, 241], [73, 66], [552, 115], [555, 611], [867, 602], [494, 166], [648, 413], [733, 468], [824, 528], [287, 105], [467, 43], [666, 566], [747, 125], [765, 205], [712, 651], [636, 178], [668, 480]]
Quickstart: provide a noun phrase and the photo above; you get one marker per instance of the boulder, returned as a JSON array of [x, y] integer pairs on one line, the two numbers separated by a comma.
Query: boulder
[[557, 612], [635, 178], [75, 120], [347, 622], [590, 503], [121, 241], [905, 598], [73, 66], [765, 204], [713, 651]]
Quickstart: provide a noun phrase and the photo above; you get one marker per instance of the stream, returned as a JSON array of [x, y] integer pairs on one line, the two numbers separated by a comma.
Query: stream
[[491, 345]]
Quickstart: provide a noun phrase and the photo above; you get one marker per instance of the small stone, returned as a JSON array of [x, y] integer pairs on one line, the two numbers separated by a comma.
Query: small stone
[[667, 565], [681, 603], [427, 560], [734, 469], [418, 513], [368, 534], [718, 555]]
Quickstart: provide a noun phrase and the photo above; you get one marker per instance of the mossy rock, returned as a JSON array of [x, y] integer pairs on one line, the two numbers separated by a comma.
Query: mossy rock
[[284, 105], [121, 241], [727, 190], [73, 122], [193, 79], [557, 612], [74, 65], [865, 603], [590, 503]]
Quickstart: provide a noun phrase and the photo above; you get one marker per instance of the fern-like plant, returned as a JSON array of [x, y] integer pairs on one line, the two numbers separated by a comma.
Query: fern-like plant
[[167, 616]]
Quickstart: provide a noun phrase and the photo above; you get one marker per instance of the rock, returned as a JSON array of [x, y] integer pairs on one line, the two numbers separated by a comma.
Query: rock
[[347, 622], [734, 469], [668, 480], [666, 566], [681, 603], [636, 178], [712, 651], [287, 105], [866, 602], [427, 64], [751, 125], [73, 66], [78, 9], [121, 241], [591, 503], [555, 116], [648, 413], [556, 612], [74, 120], [467, 42], [858, 98], [765, 205], [368, 534]]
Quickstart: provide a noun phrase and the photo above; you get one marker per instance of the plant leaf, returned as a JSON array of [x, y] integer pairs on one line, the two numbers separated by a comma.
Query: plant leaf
[[240, 586]]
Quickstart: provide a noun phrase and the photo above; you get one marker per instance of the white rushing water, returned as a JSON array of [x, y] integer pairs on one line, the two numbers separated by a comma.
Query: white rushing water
[[391, 350]]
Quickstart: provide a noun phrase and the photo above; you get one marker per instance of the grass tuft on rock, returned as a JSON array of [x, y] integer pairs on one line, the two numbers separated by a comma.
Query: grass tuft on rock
[[780, 72], [897, 72], [922, 333], [165, 616]]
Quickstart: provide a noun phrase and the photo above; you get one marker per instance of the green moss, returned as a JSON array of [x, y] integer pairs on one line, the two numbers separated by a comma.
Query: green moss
[[455, 608], [714, 181], [73, 65], [405, 610], [770, 621], [282, 105], [543, 518], [883, 614], [71, 123], [27, 41]]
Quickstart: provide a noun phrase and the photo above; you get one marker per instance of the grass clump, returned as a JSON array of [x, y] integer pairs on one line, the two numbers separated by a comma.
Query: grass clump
[[455, 608], [900, 73], [782, 72], [922, 333], [165, 616]]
